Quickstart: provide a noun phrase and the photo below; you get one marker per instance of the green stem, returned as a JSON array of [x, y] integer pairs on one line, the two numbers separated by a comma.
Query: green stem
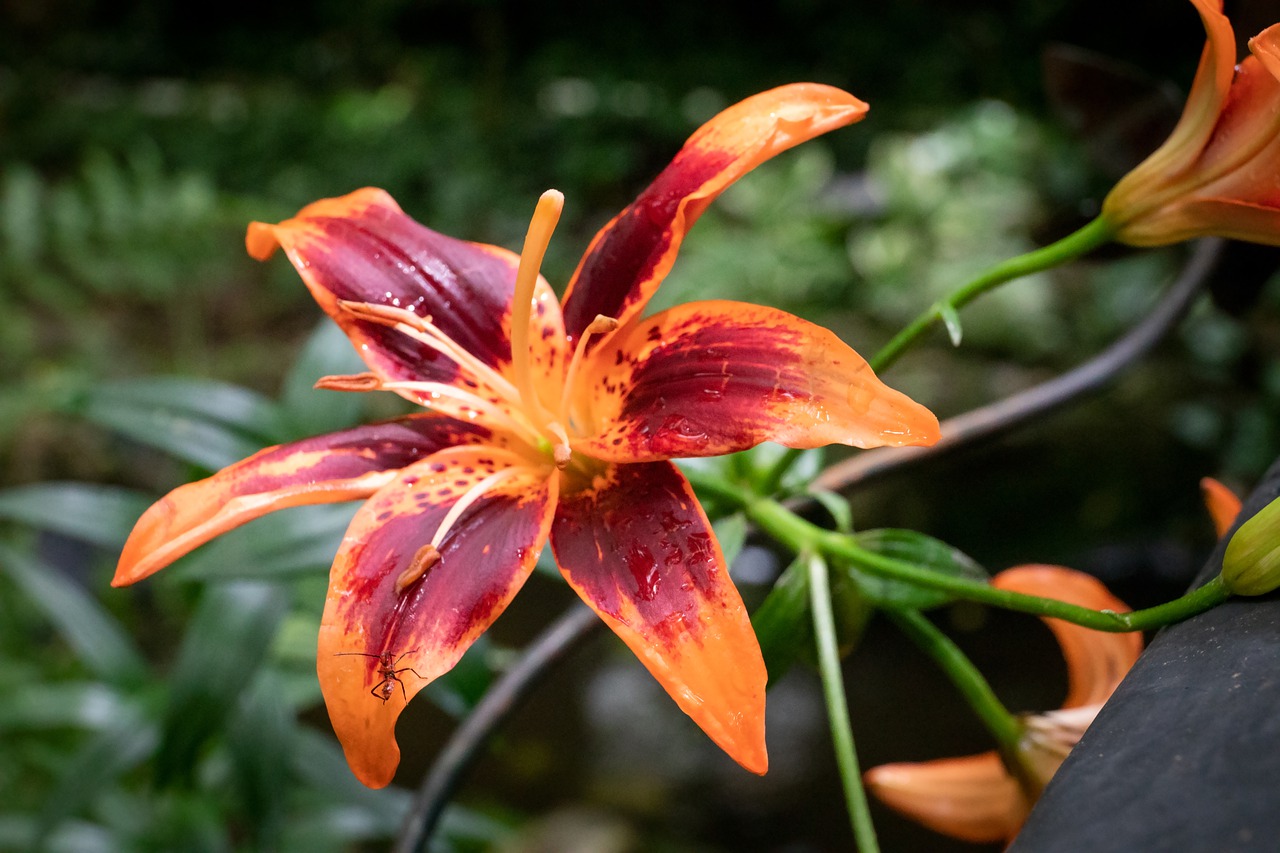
[[802, 536], [1096, 233], [773, 477], [824, 629], [1004, 727]]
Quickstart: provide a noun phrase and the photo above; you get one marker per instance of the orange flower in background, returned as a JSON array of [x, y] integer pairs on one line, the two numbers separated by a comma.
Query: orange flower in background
[[1222, 503], [544, 422], [976, 798], [1218, 174]]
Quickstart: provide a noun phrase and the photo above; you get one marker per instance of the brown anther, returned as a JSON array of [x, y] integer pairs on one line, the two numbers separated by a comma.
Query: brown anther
[[562, 454], [422, 562], [358, 382], [601, 324]]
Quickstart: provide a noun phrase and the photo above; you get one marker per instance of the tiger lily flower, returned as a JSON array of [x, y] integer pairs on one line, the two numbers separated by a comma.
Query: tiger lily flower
[[1218, 173], [543, 422], [976, 798]]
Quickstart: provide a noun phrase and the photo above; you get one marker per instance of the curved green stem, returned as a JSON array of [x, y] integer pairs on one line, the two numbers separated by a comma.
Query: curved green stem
[[1096, 233], [824, 629], [802, 536], [1004, 727]]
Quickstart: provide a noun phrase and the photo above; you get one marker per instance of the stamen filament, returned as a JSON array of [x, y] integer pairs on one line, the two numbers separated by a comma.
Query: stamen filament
[[599, 326], [471, 496], [493, 415], [545, 217], [423, 330]]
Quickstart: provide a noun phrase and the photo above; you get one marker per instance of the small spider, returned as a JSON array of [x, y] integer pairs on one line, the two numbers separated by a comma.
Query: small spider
[[390, 674]]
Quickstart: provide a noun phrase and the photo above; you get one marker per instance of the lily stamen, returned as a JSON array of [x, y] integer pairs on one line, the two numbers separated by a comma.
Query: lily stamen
[[357, 382], [423, 561], [426, 332], [472, 495], [599, 326], [471, 405], [541, 226]]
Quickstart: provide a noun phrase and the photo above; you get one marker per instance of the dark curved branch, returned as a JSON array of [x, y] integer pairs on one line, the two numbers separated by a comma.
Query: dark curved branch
[[506, 694], [999, 417]]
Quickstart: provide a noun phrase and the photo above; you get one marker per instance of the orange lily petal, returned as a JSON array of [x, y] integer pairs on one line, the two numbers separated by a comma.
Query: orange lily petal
[[709, 378], [1219, 172], [384, 600], [1222, 503], [632, 254], [1096, 660], [340, 466], [635, 544], [362, 248], [972, 798]]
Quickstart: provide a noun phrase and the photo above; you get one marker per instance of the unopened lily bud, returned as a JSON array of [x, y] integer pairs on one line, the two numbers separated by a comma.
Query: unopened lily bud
[[1252, 562]]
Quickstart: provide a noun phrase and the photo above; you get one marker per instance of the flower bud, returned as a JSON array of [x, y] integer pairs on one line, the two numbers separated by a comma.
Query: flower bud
[[1252, 562]]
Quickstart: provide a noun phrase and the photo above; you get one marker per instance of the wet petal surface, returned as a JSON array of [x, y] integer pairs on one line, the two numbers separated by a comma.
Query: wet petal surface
[[389, 607], [635, 544], [708, 378], [340, 466]]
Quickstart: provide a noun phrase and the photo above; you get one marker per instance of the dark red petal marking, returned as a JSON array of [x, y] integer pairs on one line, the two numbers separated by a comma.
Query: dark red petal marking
[[363, 248], [709, 378], [635, 544], [631, 255], [340, 466], [429, 622]]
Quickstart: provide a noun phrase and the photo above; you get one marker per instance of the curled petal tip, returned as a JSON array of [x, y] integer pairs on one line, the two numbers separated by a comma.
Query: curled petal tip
[[261, 240]]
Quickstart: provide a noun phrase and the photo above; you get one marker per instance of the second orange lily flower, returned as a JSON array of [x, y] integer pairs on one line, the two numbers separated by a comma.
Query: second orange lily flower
[[1218, 174], [543, 423], [976, 798]]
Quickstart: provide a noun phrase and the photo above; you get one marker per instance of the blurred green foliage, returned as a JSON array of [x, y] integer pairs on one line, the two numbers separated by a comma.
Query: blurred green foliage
[[143, 348]]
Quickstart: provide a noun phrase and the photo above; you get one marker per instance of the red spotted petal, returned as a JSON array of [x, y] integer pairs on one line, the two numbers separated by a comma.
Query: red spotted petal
[[708, 378], [635, 544], [386, 600], [362, 248], [631, 255], [340, 466], [972, 798], [1097, 661]]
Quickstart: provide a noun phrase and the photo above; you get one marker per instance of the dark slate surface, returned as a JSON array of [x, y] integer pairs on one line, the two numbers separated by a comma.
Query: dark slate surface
[[1186, 755]]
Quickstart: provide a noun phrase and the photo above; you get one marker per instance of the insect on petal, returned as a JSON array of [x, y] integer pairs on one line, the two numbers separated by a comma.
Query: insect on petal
[[708, 378], [632, 254], [389, 594], [340, 466], [635, 544]]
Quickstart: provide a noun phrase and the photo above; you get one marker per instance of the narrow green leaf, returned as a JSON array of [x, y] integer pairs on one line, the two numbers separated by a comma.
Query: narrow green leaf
[[224, 647], [951, 319], [288, 542], [837, 507], [309, 411], [258, 743], [98, 640], [209, 424], [731, 532], [782, 623], [99, 515], [916, 548]]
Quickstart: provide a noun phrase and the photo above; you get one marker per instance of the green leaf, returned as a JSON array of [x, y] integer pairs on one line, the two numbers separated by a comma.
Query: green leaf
[[731, 532], [909, 546], [259, 742], [288, 542], [782, 623], [209, 424], [837, 507], [95, 766], [951, 319], [100, 515], [98, 640], [225, 645], [310, 411]]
